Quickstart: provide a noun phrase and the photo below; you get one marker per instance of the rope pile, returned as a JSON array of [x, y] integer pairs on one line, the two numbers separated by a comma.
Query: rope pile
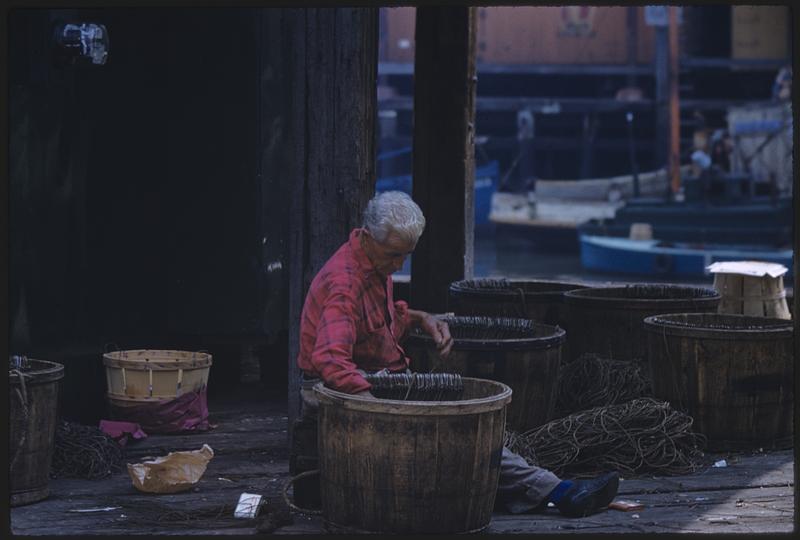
[[592, 381], [84, 452], [638, 437], [417, 386], [156, 515], [272, 515]]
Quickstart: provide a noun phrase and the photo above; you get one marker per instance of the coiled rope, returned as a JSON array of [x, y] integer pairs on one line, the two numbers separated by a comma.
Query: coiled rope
[[637, 437]]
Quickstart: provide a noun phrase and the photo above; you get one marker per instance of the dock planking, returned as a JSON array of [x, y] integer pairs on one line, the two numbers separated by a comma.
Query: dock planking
[[754, 493]]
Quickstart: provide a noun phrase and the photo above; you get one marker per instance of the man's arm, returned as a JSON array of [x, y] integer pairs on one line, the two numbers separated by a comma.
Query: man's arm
[[436, 328], [332, 356]]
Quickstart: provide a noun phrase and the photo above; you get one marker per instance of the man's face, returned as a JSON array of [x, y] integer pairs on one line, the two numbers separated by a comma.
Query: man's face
[[388, 256]]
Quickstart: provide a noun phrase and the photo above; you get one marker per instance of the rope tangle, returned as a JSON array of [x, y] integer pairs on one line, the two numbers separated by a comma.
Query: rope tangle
[[637, 437], [84, 452], [592, 381]]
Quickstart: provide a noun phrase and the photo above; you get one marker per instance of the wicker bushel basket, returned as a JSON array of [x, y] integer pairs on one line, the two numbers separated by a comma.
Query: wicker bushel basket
[[148, 376]]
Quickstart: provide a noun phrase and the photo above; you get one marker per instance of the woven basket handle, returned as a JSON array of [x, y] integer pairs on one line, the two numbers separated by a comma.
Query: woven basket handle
[[291, 481]]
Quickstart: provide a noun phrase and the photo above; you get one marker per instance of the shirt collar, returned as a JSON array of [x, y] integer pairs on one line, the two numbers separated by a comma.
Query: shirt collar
[[358, 251]]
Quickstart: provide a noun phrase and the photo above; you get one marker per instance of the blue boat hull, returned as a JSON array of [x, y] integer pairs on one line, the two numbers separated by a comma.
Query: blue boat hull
[[750, 222], [651, 257]]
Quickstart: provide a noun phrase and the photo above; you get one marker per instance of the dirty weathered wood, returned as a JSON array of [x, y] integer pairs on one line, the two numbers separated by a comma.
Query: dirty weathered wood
[[531, 374], [607, 321], [754, 493], [732, 374], [759, 296], [385, 471], [444, 164], [334, 58]]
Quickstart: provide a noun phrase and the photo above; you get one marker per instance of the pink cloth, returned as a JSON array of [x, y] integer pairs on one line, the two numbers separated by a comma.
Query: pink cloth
[[122, 431], [188, 412]]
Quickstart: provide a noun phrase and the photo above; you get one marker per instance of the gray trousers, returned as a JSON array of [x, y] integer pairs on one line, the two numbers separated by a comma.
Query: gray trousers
[[521, 487]]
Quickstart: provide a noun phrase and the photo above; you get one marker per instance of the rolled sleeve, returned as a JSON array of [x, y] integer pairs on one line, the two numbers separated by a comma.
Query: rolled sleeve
[[332, 356]]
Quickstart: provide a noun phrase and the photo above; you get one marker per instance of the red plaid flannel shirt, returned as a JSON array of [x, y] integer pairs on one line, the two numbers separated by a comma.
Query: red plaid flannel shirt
[[344, 323]]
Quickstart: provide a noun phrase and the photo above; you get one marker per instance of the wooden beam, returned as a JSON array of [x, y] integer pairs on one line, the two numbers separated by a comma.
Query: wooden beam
[[407, 68], [674, 98], [687, 63], [796, 247], [590, 125], [632, 40], [332, 73], [538, 105], [444, 164], [661, 68]]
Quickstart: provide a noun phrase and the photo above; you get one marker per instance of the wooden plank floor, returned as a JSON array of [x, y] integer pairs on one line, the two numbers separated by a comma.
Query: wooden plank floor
[[753, 494]]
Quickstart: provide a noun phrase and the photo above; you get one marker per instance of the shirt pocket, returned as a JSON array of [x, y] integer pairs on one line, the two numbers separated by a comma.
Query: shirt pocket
[[374, 325]]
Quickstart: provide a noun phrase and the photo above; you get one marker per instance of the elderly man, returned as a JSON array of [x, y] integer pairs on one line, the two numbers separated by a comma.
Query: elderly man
[[351, 325]]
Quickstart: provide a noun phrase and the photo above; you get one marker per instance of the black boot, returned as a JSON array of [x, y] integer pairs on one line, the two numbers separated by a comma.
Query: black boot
[[586, 497]]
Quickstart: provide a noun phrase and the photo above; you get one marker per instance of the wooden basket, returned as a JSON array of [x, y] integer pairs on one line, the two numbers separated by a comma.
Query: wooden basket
[[147, 375], [759, 296]]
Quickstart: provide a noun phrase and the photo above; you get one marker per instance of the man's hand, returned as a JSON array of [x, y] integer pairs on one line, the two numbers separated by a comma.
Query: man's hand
[[365, 393], [437, 329]]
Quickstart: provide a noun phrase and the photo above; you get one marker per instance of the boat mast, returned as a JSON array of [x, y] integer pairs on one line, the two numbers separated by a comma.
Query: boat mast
[[675, 121]]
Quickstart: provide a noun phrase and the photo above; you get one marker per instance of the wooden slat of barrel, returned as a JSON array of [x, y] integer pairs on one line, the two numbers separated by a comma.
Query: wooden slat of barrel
[[531, 375], [736, 385], [410, 473], [608, 321], [29, 476]]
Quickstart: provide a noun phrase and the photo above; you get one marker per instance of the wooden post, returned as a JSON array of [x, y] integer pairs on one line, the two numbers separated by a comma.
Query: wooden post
[[661, 67], [332, 72], [590, 122], [674, 111], [631, 24], [796, 266], [444, 164]]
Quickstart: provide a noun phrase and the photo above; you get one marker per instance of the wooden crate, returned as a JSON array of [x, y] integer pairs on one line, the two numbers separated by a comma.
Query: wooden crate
[[400, 34], [759, 32], [552, 35], [536, 35]]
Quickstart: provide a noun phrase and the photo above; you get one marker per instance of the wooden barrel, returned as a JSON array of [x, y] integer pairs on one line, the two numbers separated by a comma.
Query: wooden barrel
[[33, 404], [142, 376], [412, 467], [732, 373], [522, 354], [607, 321], [538, 300]]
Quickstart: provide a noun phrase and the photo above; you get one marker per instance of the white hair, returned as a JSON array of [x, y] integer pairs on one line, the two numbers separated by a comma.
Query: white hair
[[394, 211]]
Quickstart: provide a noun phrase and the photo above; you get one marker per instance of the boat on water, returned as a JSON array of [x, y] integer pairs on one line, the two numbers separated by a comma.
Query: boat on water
[[724, 217], [663, 258], [549, 216], [754, 221]]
